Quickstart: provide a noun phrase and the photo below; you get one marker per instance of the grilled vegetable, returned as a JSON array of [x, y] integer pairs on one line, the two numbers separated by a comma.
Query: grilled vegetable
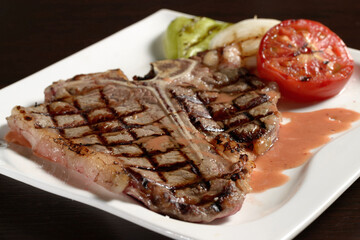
[[187, 36], [247, 34]]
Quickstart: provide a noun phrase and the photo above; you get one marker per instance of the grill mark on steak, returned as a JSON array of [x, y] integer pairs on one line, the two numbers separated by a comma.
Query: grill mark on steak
[[61, 131], [175, 118], [163, 168], [145, 154], [181, 152], [150, 157]]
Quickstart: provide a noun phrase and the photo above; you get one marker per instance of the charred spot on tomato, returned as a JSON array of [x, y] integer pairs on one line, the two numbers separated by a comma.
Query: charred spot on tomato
[[297, 53], [305, 45], [305, 78], [305, 49]]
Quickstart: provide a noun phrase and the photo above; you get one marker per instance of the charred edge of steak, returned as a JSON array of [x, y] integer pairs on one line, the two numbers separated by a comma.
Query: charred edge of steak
[[150, 75], [207, 208]]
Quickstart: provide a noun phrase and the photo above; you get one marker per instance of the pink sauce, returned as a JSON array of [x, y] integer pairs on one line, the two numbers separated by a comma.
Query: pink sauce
[[304, 132]]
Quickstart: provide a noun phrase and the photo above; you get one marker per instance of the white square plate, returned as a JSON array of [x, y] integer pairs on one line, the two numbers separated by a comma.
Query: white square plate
[[279, 213]]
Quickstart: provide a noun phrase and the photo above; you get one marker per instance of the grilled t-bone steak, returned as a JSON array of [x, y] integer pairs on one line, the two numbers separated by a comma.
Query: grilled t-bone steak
[[181, 140]]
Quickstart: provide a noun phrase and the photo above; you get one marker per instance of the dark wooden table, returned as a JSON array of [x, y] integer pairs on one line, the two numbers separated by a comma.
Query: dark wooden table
[[35, 34]]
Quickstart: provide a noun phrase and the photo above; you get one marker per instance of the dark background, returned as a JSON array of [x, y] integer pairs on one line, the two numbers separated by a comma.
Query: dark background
[[35, 34]]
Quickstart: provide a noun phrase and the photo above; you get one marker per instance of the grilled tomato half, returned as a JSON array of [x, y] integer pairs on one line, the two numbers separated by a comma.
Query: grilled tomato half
[[307, 60]]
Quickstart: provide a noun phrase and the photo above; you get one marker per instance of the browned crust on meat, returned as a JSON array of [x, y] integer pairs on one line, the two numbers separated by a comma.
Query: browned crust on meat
[[169, 141]]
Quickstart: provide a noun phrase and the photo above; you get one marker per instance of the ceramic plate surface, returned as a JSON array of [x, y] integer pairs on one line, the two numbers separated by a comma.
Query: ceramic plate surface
[[279, 213]]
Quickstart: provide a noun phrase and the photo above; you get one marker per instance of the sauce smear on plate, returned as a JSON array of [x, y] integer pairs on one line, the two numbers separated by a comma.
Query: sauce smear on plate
[[302, 133]]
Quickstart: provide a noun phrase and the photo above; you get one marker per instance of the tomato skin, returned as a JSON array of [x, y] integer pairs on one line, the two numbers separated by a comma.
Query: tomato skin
[[307, 60]]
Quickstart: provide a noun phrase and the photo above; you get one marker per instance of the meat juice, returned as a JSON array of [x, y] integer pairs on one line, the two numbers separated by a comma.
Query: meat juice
[[298, 136]]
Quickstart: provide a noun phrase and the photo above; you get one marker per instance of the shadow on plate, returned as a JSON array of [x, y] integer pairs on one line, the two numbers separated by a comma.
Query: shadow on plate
[[157, 49], [3, 130]]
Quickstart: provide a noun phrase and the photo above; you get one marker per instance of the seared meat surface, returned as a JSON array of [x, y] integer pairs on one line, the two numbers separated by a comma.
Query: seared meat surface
[[181, 140]]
